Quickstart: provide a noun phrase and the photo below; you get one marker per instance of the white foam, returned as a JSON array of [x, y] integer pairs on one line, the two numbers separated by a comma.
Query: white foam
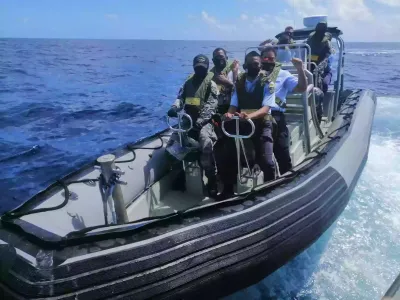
[[359, 257], [364, 52]]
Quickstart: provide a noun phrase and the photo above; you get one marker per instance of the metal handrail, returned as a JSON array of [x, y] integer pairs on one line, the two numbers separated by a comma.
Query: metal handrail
[[180, 130], [314, 115], [237, 135], [239, 142], [339, 73]]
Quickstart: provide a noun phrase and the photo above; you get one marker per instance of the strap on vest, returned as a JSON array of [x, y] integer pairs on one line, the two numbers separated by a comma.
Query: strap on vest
[[280, 103], [272, 77], [314, 58], [205, 85], [193, 101], [226, 70]]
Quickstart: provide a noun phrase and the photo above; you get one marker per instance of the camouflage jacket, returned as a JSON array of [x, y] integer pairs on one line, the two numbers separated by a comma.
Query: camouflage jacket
[[209, 107]]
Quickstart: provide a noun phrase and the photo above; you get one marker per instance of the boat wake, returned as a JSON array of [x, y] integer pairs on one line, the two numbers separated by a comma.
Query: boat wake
[[364, 52], [357, 257]]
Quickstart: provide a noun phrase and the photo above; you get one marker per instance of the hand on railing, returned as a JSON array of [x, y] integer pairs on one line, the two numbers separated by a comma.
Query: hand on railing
[[237, 119], [180, 115]]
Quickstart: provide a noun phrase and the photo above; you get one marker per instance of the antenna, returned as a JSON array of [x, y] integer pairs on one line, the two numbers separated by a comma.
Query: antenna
[[294, 13]]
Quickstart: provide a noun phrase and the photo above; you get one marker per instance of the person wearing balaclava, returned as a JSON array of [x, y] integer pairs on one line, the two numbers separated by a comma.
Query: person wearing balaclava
[[321, 49], [252, 99], [199, 97]]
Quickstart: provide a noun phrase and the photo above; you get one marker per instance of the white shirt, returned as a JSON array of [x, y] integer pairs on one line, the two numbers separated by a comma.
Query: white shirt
[[230, 75], [284, 85]]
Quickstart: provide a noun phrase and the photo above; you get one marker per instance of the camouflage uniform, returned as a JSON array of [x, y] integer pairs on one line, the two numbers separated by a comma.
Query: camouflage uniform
[[207, 136], [203, 130]]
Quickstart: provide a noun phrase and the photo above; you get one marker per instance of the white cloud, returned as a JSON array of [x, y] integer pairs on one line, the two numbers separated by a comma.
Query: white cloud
[[244, 17], [264, 22], [353, 10], [213, 22], [308, 7], [344, 10], [111, 16], [355, 18], [389, 2]]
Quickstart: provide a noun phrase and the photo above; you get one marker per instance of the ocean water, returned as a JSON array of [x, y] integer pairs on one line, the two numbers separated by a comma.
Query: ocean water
[[65, 102]]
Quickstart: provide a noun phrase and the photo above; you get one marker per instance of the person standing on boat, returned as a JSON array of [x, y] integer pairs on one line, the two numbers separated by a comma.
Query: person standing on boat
[[283, 53], [321, 49], [251, 99], [288, 31], [225, 76], [284, 83], [199, 97]]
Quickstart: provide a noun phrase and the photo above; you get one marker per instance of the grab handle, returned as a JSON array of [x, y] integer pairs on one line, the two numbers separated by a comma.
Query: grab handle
[[180, 129], [237, 135]]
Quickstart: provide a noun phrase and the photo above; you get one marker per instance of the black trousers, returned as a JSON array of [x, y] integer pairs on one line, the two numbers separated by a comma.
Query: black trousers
[[281, 142], [226, 155]]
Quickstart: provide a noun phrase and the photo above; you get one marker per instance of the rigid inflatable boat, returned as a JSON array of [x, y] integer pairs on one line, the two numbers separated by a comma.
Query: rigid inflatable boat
[[393, 293], [115, 229]]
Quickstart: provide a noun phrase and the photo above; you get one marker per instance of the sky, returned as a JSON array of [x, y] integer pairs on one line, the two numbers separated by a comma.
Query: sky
[[360, 20]]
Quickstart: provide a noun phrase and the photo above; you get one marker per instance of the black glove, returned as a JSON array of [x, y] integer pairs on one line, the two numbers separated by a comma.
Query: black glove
[[197, 126], [173, 112], [217, 119]]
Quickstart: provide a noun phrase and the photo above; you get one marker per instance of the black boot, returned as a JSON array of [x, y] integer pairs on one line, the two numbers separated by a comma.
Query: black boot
[[227, 192], [212, 187], [179, 183]]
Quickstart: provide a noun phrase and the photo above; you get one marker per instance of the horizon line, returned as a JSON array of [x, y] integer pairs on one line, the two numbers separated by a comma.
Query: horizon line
[[166, 40]]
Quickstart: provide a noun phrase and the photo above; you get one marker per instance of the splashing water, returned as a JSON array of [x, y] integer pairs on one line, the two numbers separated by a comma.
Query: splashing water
[[359, 256]]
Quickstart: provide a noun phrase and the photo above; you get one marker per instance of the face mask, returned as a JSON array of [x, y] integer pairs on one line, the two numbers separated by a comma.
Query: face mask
[[200, 72], [268, 66], [320, 30], [252, 71], [220, 62]]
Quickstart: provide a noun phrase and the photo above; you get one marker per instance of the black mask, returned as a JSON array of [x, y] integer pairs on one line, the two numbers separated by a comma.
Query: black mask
[[219, 62], [268, 66], [320, 30], [200, 72], [253, 71]]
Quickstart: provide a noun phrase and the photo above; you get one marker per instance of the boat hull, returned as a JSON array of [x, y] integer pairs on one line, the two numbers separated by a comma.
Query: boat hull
[[204, 253]]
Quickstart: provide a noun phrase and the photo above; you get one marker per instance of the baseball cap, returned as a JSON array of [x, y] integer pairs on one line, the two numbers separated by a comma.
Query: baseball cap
[[201, 60]]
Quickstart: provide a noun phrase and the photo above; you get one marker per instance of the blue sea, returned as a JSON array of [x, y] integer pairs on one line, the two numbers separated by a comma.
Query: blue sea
[[65, 102]]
